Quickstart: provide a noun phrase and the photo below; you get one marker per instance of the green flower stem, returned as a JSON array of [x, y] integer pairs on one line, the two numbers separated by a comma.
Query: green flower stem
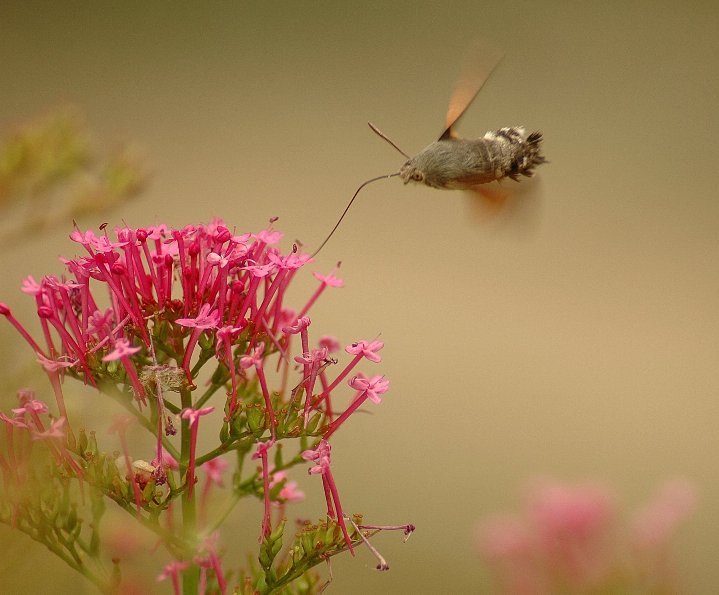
[[171, 407], [231, 444], [205, 355]]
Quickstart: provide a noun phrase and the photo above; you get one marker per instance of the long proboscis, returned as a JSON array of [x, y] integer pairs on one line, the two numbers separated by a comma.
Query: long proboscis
[[347, 208]]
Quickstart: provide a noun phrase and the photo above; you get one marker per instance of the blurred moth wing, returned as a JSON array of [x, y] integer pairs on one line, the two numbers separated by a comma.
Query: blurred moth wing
[[478, 64]]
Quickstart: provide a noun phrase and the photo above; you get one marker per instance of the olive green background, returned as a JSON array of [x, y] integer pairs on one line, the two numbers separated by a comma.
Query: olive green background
[[576, 341]]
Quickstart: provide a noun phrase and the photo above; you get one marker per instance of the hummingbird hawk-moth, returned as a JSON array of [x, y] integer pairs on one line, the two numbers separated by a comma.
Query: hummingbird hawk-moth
[[454, 163]]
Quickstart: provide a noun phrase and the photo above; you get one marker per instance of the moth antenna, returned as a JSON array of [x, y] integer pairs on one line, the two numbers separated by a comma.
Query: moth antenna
[[349, 204], [381, 134]]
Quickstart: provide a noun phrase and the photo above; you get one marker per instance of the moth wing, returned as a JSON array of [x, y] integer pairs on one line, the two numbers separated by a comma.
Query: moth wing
[[479, 62], [508, 205], [488, 200]]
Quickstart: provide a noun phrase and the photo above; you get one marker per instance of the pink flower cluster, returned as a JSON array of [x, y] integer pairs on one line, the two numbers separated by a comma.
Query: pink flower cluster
[[173, 296], [571, 539]]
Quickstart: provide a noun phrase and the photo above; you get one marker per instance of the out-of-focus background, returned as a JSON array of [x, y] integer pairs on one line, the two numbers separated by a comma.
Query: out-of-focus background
[[578, 341]]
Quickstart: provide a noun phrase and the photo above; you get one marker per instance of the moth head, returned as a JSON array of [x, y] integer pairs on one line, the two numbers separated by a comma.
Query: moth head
[[410, 173]]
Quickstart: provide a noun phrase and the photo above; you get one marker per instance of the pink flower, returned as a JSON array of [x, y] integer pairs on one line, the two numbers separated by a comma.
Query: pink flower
[[368, 350], [13, 421], [301, 324], [315, 356], [54, 431], [193, 416], [654, 524], [321, 455], [52, 365], [289, 261], [215, 259], [204, 319], [30, 286], [122, 350], [290, 491], [372, 387], [269, 236], [331, 344], [259, 270], [255, 359], [32, 406], [569, 540], [262, 448], [172, 571], [214, 468], [329, 280]]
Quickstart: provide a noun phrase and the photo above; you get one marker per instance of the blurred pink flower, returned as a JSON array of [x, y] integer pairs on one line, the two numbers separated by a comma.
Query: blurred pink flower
[[570, 539]]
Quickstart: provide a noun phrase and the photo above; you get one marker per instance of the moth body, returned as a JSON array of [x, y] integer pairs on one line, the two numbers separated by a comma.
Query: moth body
[[460, 164], [453, 163]]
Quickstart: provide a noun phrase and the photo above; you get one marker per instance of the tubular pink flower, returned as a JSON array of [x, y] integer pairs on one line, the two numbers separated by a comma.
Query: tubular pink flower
[[371, 387], [359, 349], [54, 369], [30, 286], [206, 319], [31, 407], [331, 344], [269, 236], [214, 468], [325, 282], [293, 260], [299, 325], [193, 416], [312, 363], [261, 453], [290, 491], [266, 396], [321, 455], [123, 351], [54, 431], [213, 561], [5, 311], [253, 359], [368, 350], [368, 388], [276, 283], [51, 365], [225, 336], [172, 571]]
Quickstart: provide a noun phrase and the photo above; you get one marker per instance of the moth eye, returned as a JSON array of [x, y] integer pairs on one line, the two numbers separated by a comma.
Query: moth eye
[[417, 176]]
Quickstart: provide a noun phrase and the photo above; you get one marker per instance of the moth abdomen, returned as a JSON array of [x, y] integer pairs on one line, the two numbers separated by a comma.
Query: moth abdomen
[[513, 153]]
